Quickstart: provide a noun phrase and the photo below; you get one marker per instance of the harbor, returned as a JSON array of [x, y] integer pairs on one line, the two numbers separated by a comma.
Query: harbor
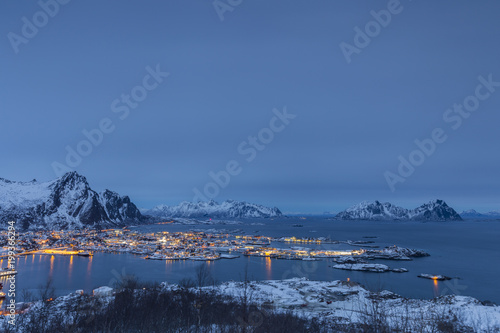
[[189, 245], [119, 252]]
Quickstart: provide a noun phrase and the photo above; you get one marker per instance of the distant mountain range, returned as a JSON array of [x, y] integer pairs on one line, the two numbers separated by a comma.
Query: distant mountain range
[[69, 203], [472, 214], [213, 209], [436, 210]]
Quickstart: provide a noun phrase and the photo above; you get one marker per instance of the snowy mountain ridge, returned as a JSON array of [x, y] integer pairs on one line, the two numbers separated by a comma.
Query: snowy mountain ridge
[[471, 213], [67, 202], [213, 209], [436, 210]]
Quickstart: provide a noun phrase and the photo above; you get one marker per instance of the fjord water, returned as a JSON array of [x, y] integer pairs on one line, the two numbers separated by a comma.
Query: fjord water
[[466, 250]]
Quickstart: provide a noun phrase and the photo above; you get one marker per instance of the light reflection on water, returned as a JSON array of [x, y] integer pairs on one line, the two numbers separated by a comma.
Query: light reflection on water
[[436, 287], [52, 258], [70, 269], [89, 266], [269, 272]]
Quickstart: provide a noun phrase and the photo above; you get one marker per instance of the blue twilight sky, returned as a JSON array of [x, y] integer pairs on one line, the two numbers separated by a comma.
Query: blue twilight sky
[[352, 120]]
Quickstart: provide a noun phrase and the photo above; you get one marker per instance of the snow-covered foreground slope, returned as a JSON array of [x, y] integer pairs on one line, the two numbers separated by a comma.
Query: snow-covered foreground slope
[[337, 305], [213, 209], [66, 202], [436, 210], [348, 302]]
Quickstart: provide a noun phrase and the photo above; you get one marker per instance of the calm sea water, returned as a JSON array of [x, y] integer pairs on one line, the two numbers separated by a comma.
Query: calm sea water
[[469, 251]]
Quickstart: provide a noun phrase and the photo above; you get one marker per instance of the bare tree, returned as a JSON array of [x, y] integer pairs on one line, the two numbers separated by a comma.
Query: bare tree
[[203, 275]]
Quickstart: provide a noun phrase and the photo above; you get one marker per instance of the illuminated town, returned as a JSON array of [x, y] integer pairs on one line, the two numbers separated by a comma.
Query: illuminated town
[[165, 245]]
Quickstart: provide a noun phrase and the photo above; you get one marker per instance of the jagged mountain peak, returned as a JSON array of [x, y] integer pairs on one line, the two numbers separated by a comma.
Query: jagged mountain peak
[[433, 210], [436, 202], [225, 209], [66, 202], [111, 194], [469, 211], [73, 175], [72, 179], [119, 208], [473, 214]]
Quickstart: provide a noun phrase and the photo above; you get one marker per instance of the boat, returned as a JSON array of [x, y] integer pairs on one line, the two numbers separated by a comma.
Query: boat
[[228, 256], [85, 254], [434, 277], [2, 294], [156, 256], [297, 225]]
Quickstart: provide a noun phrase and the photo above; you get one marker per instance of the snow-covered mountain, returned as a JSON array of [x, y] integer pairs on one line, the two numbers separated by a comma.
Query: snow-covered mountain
[[473, 214], [495, 214], [119, 208], [64, 203], [373, 211], [213, 209], [436, 210]]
